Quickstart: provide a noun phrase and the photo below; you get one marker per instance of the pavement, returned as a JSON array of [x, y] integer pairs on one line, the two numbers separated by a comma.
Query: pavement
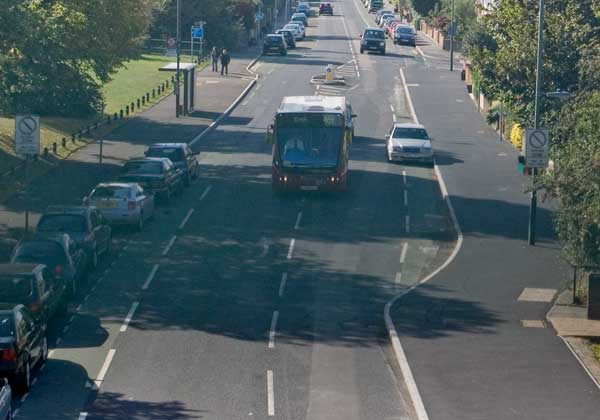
[[237, 304]]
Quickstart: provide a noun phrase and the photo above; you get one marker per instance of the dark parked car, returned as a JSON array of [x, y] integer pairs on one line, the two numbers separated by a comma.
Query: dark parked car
[[303, 7], [182, 157], [326, 9], [83, 224], [23, 344], [58, 252], [405, 35], [289, 37], [34, 286], [156, 175], [274, 44], [372, 39]]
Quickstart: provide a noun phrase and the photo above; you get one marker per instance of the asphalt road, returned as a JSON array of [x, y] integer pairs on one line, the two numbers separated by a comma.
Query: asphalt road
[[238, 304]]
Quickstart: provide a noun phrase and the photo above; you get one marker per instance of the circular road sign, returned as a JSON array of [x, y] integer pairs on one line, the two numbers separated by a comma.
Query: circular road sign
[[538, 139], [27, 126]]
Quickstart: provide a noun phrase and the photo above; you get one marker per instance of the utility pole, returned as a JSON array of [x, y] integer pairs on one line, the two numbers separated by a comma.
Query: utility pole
[[538, 88], [177, 79], [452, 31]]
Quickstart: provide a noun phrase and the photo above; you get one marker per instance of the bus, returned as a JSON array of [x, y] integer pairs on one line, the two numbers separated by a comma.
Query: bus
[[311, 139]]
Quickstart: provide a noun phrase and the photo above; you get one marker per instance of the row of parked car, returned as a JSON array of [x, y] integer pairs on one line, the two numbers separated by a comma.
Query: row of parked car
[[394, 28], [295, 30], [47, 267]]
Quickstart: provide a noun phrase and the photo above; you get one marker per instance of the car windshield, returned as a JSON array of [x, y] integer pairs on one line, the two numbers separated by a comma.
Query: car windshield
[[62, 223], [374, 34], [143, 167], [111, 191], [174, 153], [7, 325], [273, 40], [404, 30], [49, 253], [410, 133], [15, 289]]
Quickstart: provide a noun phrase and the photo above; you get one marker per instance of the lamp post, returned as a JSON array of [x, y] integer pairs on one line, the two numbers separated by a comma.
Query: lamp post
[[452, 31], [178, 49], [538, 87]]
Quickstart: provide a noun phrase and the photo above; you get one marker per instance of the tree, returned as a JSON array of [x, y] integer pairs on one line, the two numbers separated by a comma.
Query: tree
[[423, 7]]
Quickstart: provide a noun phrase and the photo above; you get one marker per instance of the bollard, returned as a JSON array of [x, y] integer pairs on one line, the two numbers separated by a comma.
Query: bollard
[[132, 107], [46, 152], [163, 86], [167, 83], [172, 79], [72, 138], [54, 147], [127, 110], [138, 104], [108, 119], [147, 97], [115, 116], [121, 114], [153, 93], [143, 100], [64, 142]]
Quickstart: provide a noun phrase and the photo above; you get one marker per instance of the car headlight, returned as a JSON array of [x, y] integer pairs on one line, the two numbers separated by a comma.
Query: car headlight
[[382, 43], [426, 149]]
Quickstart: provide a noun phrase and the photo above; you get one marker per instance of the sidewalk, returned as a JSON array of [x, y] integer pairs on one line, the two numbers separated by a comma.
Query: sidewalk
[[73, 178]]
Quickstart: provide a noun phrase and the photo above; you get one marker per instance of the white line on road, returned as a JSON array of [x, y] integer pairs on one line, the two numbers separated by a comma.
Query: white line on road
[[24, 397], [270, 394], [169, 245], [50, 353], [82, 415], [298, 219], [16, 412], [394, 117], [272, 330], [403, 252], [150, 277], [392, 108], [291, 249], [265, 245], [65, 329], [134, 306], [282, 284], [71, 319], [105, 366], [404, 177], [206, 191], [410, 104], [186, 218], [407, 223], [405, 198], [398, 277]]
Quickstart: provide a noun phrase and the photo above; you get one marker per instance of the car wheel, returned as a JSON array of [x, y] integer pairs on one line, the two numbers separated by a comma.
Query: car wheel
[[44, 355], [140, 223], [23, 379]]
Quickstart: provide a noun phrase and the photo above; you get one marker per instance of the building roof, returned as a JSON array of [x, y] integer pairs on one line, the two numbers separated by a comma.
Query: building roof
[[330, 104]]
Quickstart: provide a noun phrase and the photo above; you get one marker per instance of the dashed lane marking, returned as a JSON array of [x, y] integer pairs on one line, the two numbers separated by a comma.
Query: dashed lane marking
[[404, 177], [105, 366], [205, 193], [186, 218], [398, 279], [169, 245], [270, 394], [82, 416], [405, 198], [403, 252], [282, 284], [150, 277], [129, 316], [273, 329], [291, 249], [407, 223], [298, 219]]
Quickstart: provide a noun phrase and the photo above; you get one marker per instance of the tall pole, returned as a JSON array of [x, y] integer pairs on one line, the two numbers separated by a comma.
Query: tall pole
[[177, 79], [538, 88], [452, 30]]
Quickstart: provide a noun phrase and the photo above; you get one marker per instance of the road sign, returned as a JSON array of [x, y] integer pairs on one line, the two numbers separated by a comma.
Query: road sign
[[259, 16], [197, 32], [172, 42], [537, 144], [27, 135]]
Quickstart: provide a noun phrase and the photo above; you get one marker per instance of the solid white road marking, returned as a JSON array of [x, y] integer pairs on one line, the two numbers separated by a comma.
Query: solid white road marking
[[394, 117], [392, 108], [82, 416], [169, 245], [405, 198], [105, 366], [282, 284], [50, 353], [186, 218], [150, 277], [298, 219], [403, 252], [270, 394], [404, 177], [291, 249], [129, 316], [272, 330], [206, 191], [398, 277], [410, 104], [407, 222]]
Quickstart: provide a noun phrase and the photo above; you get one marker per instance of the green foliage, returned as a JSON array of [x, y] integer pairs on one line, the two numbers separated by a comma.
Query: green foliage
[[423, 7], [464, 16], [54, 54]]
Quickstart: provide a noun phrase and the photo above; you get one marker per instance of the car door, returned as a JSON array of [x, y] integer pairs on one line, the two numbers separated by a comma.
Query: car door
[[76, 255], [34, 335], [192, 161], [145, 202], [101, 230], [47, 293]]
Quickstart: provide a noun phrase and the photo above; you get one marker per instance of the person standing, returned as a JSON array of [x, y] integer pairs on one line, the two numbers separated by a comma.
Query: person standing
[[225, 59], [214, 55]]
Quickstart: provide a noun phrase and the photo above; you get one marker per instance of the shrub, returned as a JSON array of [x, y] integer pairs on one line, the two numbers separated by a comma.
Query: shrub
[[516, 136]]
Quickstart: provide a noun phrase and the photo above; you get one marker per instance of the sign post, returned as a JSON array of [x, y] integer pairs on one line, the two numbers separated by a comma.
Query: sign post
[[27, 144], [197, 32]]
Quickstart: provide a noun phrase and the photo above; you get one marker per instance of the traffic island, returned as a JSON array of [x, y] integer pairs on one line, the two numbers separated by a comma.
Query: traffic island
[[321, 79]]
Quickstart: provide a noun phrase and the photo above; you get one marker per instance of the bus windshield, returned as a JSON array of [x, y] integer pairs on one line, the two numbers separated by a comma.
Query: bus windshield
[[309, 140]]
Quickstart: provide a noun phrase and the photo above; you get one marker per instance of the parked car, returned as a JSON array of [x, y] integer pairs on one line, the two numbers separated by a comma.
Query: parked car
[[303, 7], [384, 18], [297, 28], [392, 28], [372, 39], [5, 400], [375, 5], [156, 175], [122, 203], [405, 35], [23, 344], [299, 17], [302, 26], [182, 157], [274, 44], [382, 12], [409, 142], [34, 286], [58, 252], [83, 224], [325, 9], [289, 37]]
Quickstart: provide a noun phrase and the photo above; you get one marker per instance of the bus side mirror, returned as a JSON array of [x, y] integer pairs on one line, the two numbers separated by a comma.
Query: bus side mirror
[[269, 136]]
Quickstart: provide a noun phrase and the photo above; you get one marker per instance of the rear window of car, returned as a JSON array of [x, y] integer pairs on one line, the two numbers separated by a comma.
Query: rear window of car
[[7, 325], [403, 30], [410, 133], [273, 40], [49, 253], [143, 167], [62, 223], [15, 289], [111, 192], [174, 153], [374, 34]]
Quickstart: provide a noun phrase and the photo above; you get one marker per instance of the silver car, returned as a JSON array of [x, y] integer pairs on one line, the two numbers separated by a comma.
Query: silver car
[[409, 142], [122, 203]]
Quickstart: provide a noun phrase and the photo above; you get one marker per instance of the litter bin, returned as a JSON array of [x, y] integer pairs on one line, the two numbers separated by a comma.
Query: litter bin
[[594, 296]]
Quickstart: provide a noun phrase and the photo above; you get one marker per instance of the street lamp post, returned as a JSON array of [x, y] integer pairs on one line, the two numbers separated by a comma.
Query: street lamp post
[[178, 49], [538, 87], [452, 30]]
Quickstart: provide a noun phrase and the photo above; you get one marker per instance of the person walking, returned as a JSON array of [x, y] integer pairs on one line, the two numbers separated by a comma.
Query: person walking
[[214, 55], [225, 59]]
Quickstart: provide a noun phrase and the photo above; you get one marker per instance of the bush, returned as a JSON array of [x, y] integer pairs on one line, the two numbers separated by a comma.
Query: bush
[[516, 136]]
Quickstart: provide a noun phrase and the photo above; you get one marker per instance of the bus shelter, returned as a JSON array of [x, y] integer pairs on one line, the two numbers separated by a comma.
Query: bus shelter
[[188, 76]]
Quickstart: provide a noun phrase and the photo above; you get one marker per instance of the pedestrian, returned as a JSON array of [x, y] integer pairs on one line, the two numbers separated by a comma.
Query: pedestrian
[[225, 59], [214, 55]]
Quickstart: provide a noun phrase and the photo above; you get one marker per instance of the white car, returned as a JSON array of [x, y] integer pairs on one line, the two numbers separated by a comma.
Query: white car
[[409, 142], [295, 29], [122, 203], [299, 26]]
